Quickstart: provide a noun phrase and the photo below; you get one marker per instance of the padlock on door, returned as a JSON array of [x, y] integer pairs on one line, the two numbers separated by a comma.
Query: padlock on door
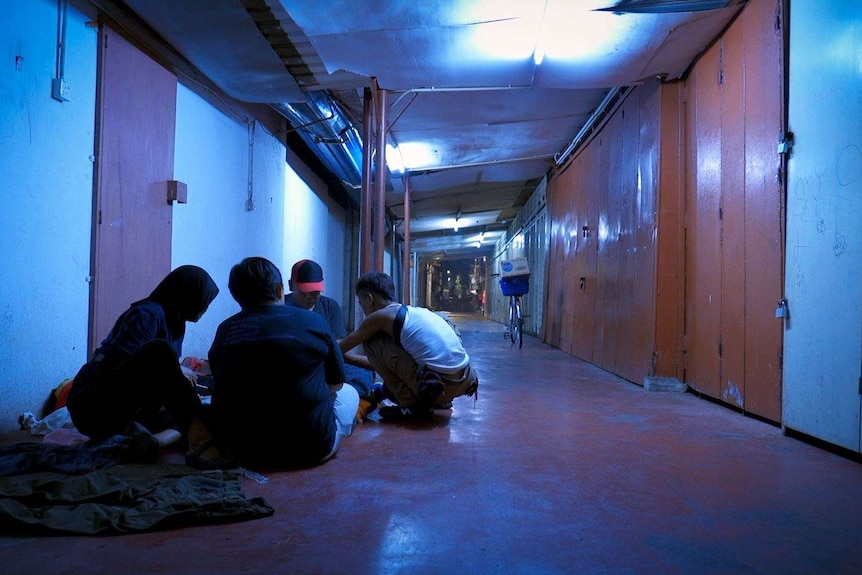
[[782, 311]]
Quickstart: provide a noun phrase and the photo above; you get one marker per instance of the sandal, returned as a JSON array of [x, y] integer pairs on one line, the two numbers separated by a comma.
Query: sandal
[[222, 460], [143, 444]]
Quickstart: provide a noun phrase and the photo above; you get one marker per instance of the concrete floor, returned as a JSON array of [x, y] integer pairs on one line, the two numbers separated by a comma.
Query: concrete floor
[[559, 467]]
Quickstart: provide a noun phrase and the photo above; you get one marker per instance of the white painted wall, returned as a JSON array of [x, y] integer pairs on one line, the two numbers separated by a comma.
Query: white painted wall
[[314, 228], [823, 337], [214, 229], [46, 190]]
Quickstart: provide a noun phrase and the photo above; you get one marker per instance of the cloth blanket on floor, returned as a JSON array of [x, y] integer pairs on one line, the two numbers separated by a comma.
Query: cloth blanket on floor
[[110, 502], [32, 456], [93, 489]]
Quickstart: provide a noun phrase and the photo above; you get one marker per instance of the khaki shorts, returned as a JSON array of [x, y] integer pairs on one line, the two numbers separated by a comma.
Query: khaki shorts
[[402, 375]]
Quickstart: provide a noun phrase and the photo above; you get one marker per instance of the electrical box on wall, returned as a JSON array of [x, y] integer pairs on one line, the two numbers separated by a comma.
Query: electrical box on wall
[[177, 192], [59, 90]]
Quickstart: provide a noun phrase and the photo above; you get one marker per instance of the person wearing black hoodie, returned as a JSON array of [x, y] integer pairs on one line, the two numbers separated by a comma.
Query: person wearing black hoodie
[[134, 384]]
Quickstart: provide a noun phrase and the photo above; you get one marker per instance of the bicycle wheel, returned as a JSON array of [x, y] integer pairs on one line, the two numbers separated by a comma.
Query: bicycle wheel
[[518, 324], [513, 319]]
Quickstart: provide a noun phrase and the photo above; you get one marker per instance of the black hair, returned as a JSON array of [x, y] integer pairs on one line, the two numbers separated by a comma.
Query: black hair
[[377, 283], [254, 281]]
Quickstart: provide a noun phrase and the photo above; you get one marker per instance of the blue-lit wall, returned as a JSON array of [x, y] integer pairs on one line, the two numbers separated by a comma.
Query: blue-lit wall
[[46, 191]]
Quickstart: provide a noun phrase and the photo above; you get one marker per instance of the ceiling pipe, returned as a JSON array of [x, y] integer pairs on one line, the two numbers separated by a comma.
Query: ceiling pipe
[[430, 170], [410, 91], [413, 91], [613, 96]]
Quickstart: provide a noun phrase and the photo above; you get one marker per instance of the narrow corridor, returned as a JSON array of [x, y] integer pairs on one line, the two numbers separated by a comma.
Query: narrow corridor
[[559, 467]]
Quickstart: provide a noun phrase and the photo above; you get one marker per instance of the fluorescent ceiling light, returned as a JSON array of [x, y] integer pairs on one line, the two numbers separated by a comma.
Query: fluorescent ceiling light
[[574, 32], [416, 155], [505, 40], [557, 30], [394, 159]]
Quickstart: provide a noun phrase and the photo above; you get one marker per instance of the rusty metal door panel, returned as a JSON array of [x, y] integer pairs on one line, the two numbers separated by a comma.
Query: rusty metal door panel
[[625, 359], [554, 299], [598, 200], [607, 267], [764, 209], [583, 288], [670, 231], [733, 217], [641, 321], [575, 309], [734, 116], [569, 248], [703, 262]]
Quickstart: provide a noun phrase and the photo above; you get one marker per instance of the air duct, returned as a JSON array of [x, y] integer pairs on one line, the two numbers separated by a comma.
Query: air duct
[[325, 128]]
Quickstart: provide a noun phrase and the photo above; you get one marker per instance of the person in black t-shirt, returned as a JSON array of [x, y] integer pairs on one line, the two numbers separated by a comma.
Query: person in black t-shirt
[[278, 397]]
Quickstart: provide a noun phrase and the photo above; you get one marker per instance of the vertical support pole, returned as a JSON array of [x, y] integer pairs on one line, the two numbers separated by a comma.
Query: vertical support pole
[[365, 208], [405, 258], [380, 180]]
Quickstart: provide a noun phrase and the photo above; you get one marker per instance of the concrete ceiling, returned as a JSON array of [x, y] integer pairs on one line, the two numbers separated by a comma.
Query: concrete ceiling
[[462, 79]]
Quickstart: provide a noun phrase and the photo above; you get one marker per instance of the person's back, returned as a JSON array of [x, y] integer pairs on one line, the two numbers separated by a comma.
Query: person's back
[[276, 369], [432, 341], [270, 400]]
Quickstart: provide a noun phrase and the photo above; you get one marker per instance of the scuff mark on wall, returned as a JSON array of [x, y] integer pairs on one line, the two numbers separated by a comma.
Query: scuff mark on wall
[[732, 393]]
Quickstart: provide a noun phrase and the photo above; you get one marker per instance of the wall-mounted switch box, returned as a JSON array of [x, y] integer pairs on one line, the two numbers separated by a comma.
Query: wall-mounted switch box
[[60, 90], [177, 192]]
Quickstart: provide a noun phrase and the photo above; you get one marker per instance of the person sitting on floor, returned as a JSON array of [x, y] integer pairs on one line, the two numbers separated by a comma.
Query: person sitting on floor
[[306, 287], [417, 352], [278, 397], [134, 384]]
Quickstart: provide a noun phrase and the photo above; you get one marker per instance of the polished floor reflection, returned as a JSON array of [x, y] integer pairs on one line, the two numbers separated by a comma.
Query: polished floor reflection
[[559, 467]]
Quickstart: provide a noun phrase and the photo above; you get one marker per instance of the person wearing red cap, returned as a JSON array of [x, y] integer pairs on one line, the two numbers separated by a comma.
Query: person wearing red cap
[[306, 285]]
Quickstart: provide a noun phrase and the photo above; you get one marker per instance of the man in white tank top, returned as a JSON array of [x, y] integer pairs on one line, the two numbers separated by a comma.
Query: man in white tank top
[[417, 352]]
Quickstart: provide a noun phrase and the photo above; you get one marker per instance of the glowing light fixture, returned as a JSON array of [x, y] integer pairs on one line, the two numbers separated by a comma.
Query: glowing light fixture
[[572, 34], [394, 159], [539, 53], [416, 155]]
